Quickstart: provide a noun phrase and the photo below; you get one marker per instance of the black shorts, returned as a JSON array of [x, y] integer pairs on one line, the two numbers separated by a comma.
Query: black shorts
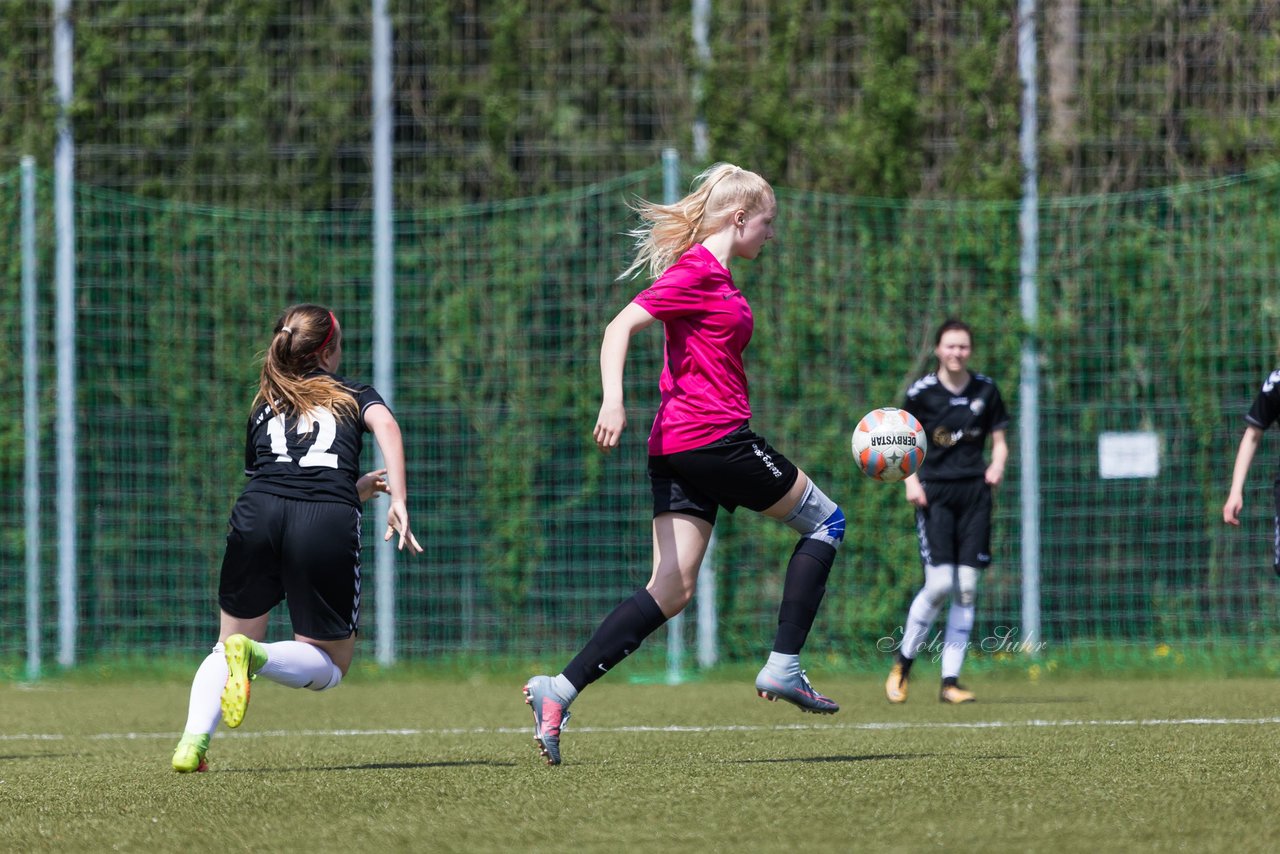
[[307, 552], [741, 469], [956, 526]]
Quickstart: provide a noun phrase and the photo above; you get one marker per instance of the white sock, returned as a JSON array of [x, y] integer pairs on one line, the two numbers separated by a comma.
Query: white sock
[[920, 619], [299, 665], [205, 707], [783, 664], [564, 689], [956, 643], [939, 581]]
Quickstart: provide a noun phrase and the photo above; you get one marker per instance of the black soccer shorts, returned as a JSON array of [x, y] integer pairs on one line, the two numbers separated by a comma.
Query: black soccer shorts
[[956, 526], [305, 552], [740, 469]]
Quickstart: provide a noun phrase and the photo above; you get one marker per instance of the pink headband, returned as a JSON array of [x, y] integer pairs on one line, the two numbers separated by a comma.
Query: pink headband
[[333, 324]]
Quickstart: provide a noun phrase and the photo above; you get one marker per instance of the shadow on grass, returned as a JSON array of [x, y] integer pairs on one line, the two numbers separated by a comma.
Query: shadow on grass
[[11, 757], [874, 757], [374, 766]]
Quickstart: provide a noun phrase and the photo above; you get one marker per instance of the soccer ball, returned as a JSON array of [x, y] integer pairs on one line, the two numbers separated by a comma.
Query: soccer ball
[[889, 444]]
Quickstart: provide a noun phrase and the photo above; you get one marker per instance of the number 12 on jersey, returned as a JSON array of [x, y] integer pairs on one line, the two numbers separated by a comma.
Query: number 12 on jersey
[[319, 421]]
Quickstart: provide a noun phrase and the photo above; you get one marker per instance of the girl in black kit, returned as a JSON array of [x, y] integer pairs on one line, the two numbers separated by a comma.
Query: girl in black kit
[[1261, 415], [952, 496], [295, 529]]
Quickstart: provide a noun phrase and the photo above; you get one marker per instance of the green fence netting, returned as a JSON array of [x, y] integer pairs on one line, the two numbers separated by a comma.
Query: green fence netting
[[1158, 313]]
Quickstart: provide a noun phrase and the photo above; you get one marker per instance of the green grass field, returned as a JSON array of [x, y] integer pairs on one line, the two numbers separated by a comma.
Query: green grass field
[[400, 764]]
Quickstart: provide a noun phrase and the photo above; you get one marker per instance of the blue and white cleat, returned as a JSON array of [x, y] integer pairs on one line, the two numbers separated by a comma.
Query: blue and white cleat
[[795, 689], [550, 715]]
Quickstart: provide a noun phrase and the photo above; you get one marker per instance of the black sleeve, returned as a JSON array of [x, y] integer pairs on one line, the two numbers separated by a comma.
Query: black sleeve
[[910, 403], [1266, 406], [366, 396], [999, 415]]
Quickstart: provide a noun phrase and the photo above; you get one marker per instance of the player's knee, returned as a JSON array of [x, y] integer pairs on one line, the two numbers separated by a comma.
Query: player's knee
[[937, 595], [830, 530], [817, 517], [938, 585], [967, 585], [672, 593], [677, 598], [330, 667], [335, 677], [833, 527]]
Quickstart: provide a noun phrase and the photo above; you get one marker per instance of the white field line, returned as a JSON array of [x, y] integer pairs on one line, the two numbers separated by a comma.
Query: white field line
[[869, 725]]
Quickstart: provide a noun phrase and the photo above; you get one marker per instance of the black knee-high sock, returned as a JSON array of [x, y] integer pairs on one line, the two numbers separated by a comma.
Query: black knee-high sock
[[619, 635], [802, 593]]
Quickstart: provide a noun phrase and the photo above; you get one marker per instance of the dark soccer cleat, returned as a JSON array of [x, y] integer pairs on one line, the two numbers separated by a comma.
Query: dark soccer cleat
[[795, 689], [550, 715]]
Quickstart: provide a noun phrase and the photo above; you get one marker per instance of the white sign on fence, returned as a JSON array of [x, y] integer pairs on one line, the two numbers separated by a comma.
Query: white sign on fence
[[1123, 455]]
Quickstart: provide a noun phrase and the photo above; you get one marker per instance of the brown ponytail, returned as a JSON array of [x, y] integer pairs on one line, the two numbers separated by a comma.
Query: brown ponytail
[[302, 335]]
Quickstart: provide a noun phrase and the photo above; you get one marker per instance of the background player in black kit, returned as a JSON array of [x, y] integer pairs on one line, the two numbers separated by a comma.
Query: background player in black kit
[[295, 529], [1263, 413], [952, 496]]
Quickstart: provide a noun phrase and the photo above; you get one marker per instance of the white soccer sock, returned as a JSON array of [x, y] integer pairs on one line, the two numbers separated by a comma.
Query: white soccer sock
[[299, 665], [956, 642], [920, 619], [783, 664], [939, 581], [564, 689], [205, 707]]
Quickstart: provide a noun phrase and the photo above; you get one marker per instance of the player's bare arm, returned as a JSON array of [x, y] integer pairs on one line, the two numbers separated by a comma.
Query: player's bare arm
[[1244, 458], [612, 419], [915, 492], [387, 432], [999, 456]]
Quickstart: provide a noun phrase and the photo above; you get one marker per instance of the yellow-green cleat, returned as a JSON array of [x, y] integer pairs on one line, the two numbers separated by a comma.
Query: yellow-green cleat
[[245, 657], [189, 755]]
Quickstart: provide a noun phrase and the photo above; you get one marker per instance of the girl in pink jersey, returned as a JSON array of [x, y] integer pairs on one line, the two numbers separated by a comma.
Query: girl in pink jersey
[[703, 454]]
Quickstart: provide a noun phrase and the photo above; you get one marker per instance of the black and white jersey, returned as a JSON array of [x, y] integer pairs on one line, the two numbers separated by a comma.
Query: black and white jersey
[[314, 457], [956, 425], [1266, 406]]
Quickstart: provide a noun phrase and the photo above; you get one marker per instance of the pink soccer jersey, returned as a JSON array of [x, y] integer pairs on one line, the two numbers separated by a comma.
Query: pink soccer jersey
[[707, 324]]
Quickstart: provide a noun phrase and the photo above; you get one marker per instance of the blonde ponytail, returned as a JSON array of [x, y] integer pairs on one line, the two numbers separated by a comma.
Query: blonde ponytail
[[667, 231]]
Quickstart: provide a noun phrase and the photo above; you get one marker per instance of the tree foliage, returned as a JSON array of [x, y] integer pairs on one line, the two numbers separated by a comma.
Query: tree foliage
[[261, 105]]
